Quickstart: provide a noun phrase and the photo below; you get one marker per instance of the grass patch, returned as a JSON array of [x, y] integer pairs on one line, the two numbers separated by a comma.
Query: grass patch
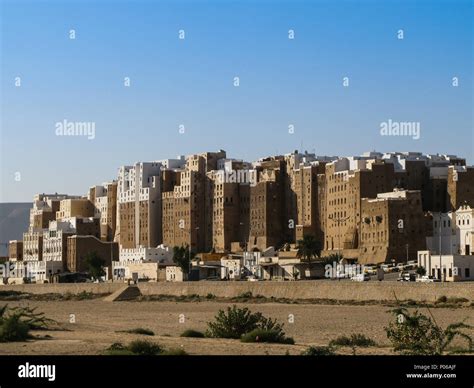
[[138, 330], [174, 352], [444, 301], [18, 296], [318, 351], [118, 349], [141, 348], [145, 348], [190, 333], [269, 336], [359, 340], [13, 295]]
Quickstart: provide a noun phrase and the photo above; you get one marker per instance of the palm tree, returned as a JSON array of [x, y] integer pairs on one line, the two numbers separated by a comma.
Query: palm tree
[[308, 249]]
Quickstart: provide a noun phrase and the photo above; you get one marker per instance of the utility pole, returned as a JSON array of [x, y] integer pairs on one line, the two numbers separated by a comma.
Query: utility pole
[[440, 246]]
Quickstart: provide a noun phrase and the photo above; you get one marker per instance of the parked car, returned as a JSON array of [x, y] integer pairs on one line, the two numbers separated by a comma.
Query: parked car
[[361, 277], [370, 270], [406, 277], [426, 279], [253, 279]]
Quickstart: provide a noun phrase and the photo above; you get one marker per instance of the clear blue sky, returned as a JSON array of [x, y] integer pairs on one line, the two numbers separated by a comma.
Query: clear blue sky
[[190, 82]]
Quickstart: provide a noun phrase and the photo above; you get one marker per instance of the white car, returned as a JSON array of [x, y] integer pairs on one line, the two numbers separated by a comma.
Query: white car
[[361, 277], [370, 270], [426, 279]]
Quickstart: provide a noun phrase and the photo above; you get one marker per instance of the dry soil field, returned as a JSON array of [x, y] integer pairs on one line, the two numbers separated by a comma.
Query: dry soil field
[[97, 323]]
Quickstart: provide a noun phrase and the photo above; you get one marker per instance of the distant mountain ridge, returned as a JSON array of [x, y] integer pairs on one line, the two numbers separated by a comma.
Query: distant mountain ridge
[[14, 220]]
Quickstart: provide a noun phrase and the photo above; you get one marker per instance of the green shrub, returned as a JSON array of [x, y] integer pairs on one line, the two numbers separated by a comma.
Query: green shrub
[[13, 329], [237, 322], [118, 349], [270, 325], [16, 322], [245, 295], [144, 348], [192, 334], [210, 296], [116, 346], [354, 340], [318, 351], [139, 330], [263, 335], [417, 334], [442, 299], [233, 323], [84, 295]]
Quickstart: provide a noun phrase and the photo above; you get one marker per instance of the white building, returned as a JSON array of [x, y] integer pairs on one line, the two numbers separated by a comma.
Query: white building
[[33, 246], [454, 268], [241, 266], [464, 229], [175, 274], [231, 267], [173, 164], [444, 234], [55, 240], [452, 232], [160, 254], [141, 263]]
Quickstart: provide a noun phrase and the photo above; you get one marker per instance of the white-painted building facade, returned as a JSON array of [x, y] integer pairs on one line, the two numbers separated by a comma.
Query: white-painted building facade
[[450, 268], [465, 229]]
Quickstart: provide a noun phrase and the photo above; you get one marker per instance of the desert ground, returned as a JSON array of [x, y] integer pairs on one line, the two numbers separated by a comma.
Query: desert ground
[[98, 324]]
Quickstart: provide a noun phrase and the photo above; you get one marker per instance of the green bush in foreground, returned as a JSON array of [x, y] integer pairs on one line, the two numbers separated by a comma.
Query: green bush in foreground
[[16, 323], [233, 323], [13, 329], [271, 336], [417, 334], [239, 322], [192, 334]]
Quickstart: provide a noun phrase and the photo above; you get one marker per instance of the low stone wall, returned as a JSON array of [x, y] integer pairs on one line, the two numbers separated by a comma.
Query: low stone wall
[[319, 289], [63, 288]]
